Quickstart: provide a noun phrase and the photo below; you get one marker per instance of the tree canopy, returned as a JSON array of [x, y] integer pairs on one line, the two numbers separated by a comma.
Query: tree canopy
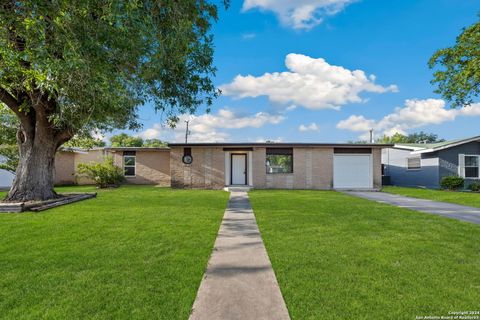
[[458, 68], [420, 137], [85, 142], [125, 140]]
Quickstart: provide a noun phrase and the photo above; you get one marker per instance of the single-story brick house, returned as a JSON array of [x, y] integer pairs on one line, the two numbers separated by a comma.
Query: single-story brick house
[[276, 165], [219, 165], [425, 164]]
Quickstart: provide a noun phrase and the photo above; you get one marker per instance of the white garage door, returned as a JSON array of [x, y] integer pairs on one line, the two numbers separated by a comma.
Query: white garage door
[[352, 171]]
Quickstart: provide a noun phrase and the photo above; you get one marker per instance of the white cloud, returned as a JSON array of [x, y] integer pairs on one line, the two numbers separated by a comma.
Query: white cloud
[[248, 36], [312, 83], [211, 127], [299, 14], [416, 113], [311, 127], [273, 140]]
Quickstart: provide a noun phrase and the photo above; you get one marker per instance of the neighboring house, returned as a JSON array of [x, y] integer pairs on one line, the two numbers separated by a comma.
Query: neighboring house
[[426, 164], [276, 165]]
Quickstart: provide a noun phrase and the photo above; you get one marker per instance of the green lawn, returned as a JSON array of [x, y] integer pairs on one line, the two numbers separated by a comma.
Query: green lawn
[[132, 253], [463, 198], [340, 257]]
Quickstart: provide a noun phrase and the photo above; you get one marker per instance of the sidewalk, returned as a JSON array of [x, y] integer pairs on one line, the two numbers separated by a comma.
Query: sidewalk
[[239, 282]]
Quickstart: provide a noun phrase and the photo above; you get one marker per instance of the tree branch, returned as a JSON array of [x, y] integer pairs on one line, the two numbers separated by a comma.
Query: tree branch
[[10, 101]]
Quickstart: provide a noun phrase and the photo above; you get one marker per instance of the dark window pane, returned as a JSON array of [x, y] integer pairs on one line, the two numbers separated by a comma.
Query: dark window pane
[[129, 161], [471, 172], [129, 171], [414, 163], [471, 161], [279, 163]]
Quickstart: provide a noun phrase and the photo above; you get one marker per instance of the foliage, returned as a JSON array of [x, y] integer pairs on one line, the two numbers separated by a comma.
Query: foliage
[[133, 252], [124, 140], [154, 143], [458, 75], [420, 137], [474, 186], [93, 63], [85, 142], [325, 246], [104, 174], [8, 142], [452, 183]]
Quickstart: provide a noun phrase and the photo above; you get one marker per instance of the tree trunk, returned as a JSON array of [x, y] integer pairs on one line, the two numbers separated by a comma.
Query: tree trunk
[[35, 172]]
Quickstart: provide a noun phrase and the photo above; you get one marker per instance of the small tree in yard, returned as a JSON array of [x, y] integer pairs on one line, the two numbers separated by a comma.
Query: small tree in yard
[[104, 174], [68, 67]]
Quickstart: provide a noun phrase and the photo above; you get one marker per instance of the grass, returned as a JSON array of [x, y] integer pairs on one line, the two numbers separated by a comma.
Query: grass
[[463, 198], [136, 252], [340, 257]]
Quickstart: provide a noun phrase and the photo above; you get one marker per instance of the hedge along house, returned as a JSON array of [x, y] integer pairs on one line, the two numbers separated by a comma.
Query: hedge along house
[[141, 165], [276, 165]]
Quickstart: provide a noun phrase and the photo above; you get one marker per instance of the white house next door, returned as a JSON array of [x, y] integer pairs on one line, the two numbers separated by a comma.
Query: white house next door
[[239, 169]]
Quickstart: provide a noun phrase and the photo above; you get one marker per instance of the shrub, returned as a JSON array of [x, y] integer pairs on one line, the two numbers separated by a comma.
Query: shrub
[[104, 174], [474, 186], [452, 183]]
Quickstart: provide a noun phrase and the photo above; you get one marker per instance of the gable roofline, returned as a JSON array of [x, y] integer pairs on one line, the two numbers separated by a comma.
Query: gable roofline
[[433, 147]]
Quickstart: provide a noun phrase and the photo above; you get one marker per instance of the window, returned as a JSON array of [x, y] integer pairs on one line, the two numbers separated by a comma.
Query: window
[[129, 165], [279, 160], [414, 163], [471, 166]]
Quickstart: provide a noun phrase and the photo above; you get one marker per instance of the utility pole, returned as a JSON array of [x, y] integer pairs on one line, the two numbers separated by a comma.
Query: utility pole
[[186, 131], [371, 135]]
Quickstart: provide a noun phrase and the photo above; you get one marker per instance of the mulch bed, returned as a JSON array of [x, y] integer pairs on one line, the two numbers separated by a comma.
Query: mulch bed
[[37, 206]]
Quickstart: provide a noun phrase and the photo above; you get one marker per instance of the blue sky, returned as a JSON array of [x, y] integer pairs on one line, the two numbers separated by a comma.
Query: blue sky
[[319, 96]]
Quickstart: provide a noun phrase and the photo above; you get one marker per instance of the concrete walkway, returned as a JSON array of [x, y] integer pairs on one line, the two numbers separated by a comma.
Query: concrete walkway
[[239, 282], [455, 211]]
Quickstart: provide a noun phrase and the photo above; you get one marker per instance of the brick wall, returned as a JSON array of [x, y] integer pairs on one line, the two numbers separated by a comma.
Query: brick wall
[[205, 172], [64, 168], [151, 167]]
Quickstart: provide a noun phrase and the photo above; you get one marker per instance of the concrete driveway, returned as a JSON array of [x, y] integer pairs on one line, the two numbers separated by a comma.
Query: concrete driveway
[[455, 211]]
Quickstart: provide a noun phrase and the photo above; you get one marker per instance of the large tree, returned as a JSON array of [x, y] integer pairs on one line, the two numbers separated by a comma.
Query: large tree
[[68, 67], [458, 68]]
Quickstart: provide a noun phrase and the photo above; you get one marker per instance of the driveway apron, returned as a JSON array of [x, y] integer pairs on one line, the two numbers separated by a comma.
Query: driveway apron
[[455, 211], [239, 282]]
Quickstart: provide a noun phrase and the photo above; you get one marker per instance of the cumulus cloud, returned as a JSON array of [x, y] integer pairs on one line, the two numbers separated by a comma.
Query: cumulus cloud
[[312, 83], [414, 114], [299, 14], [211, 127], [310, 127]]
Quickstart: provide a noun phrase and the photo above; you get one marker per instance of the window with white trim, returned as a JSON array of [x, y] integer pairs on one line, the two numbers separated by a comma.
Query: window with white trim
[[129, 165], [414, 163], [472, 166]]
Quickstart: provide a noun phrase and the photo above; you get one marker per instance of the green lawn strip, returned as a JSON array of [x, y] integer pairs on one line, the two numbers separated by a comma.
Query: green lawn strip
[[340, 257], [463, 198], [134, 252]]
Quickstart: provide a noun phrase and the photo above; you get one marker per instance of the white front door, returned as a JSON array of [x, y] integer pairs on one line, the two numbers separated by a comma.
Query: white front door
[[239, 169], [352, 171]]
